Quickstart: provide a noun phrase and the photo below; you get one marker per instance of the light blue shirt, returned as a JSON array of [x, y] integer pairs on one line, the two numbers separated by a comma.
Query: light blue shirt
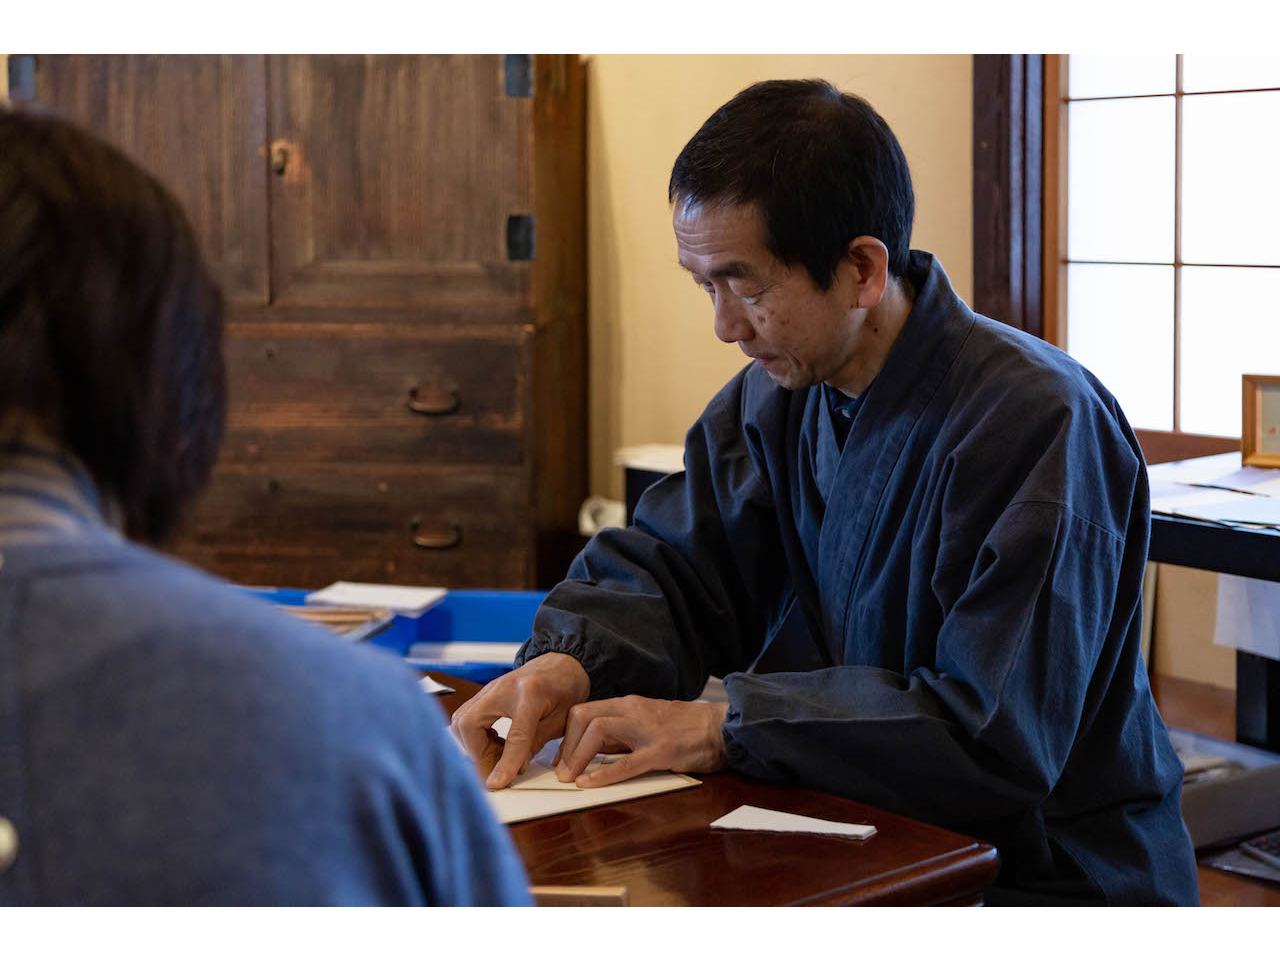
[[168, 739]]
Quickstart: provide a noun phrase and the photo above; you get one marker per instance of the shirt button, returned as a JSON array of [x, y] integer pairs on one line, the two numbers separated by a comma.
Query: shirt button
[[844, 412], [8, 844]]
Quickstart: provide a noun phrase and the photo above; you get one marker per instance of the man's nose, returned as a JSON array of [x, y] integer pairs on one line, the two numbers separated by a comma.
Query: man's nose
[[731, 320]]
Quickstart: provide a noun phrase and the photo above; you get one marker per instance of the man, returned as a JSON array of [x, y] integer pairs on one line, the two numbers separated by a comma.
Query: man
[[165, 738], [911, 540]]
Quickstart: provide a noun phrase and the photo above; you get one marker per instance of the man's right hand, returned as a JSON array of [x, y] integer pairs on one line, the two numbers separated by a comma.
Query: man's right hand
[[536, 697]]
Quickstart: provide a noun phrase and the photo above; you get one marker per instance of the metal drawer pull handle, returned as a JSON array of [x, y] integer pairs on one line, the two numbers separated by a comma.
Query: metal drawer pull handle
[[438, 408], [435, 541]]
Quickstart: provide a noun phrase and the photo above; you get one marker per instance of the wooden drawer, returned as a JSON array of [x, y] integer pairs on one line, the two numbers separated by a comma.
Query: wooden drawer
[[311, 393], [299, 526]]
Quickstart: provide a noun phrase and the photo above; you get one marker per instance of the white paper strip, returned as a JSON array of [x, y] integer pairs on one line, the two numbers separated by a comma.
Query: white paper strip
[[433, 686], [463, 652], [747, 817], [407, 600], [1248, 616]]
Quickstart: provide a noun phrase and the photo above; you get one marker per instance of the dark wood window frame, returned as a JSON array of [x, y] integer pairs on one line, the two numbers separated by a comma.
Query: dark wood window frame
[[1019, 206]]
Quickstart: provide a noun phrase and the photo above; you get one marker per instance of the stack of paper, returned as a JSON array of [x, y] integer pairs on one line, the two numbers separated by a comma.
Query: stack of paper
[[462, 652], [407, 601], [1217, 490], [350, 623]]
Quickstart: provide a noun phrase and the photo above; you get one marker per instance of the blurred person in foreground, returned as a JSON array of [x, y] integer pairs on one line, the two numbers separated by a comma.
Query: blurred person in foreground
[[164, 737]]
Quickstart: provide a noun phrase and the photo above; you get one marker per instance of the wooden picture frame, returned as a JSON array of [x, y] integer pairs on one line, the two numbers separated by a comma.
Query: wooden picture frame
[[1260, 440]]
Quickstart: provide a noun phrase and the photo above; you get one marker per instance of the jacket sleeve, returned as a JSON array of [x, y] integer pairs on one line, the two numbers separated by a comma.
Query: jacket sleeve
[[684, 593]]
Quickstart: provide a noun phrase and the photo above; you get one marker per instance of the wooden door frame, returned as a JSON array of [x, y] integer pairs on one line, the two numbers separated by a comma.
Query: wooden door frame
[[1019, 212], [1008, 195]]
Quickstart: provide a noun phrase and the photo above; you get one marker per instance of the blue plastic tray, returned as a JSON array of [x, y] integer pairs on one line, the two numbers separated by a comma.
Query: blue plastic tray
[[464, 616]]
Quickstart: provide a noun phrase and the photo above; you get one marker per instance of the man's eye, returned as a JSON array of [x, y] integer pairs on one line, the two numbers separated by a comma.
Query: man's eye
[[752, 300]]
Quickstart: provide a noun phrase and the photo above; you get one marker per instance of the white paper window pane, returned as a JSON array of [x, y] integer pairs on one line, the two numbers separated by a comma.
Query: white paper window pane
[[1230, 326], [1228, 71], [1120, 326], [1120, 74], [1120, 180], [1231, 178]]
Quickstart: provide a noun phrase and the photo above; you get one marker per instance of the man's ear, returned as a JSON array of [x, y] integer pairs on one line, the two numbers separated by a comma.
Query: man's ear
[[869, 259]]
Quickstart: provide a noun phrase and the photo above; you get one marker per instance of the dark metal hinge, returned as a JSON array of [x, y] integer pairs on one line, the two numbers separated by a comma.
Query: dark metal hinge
[[22, 77], [520, 237], [518, 68]]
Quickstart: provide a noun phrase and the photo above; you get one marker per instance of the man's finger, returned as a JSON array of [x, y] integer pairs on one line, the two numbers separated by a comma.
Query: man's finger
[[600, 732], [624, 768], [492, 752], [516, 753], [473, 728], [577, 721]]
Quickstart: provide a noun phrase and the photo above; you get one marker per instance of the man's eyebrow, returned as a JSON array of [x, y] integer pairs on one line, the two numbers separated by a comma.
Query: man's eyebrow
[[733, 270]]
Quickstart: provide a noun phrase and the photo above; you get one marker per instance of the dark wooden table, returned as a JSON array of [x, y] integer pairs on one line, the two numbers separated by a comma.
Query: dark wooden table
[[663, 851]]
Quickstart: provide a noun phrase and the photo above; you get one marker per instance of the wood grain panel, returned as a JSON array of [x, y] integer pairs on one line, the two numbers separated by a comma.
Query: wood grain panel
[[559, 396], [318, 524], [348, 393], [396, 178], [1008, 111], [199, 124], [1162, 446]]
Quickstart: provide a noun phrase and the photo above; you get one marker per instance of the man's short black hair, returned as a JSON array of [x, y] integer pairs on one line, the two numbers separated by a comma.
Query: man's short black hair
[[822, 165], [110, 324]]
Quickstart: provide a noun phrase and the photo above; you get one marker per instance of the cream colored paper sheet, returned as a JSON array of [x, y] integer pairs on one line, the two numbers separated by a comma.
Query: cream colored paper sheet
[[541, 776], [514, 806], [538, 792]]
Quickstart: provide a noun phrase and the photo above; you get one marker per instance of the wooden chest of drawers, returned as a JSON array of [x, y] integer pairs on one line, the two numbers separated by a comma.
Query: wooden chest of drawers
[[401, 240]]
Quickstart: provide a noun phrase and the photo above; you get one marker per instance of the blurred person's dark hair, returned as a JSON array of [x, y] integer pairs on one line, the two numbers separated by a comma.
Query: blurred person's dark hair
[[822, 165], [110, 322]]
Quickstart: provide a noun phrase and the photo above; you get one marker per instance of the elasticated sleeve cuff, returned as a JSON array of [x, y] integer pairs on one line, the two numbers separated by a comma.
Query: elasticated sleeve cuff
[[577, 647]]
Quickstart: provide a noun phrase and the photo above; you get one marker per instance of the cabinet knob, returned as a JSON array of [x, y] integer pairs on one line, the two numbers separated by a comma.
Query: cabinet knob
[[435, 541], [441, 401], [279, 159]]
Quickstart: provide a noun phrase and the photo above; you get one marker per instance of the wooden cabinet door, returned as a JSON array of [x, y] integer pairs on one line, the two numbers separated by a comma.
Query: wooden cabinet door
[[394, 178], [198, 123]]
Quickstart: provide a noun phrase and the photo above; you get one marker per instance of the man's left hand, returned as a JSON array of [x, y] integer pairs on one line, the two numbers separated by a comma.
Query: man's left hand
[[678, 735]]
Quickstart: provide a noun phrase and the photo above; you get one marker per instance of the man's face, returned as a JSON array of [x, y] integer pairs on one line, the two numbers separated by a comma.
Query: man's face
[[777, 315]]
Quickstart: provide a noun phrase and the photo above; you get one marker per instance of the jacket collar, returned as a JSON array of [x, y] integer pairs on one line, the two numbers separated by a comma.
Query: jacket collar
[[46, 494]]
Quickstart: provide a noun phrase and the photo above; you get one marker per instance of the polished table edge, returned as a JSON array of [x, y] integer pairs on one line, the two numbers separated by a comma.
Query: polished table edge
[[958, 876], [1212, 546]]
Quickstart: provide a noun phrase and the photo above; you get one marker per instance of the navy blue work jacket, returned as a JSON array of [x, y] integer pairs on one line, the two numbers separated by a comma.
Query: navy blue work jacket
[[940, 616]]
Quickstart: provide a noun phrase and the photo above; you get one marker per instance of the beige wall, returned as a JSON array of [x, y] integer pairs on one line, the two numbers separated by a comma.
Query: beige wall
[[1186, 607], [655, 361]]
